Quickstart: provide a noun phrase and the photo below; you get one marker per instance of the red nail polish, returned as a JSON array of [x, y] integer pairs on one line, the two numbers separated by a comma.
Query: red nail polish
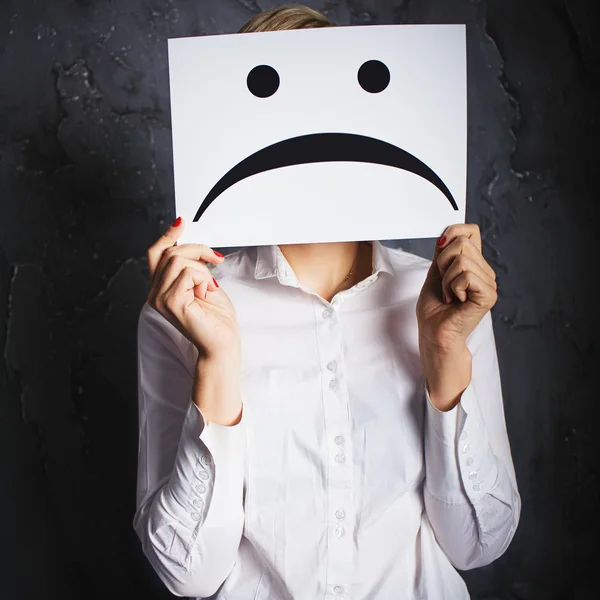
[[442, 241], [218, 254], [215, 282], [176, 222]]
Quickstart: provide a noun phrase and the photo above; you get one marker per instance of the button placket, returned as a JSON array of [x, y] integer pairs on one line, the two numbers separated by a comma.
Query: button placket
[[340, 457], [340, 554]]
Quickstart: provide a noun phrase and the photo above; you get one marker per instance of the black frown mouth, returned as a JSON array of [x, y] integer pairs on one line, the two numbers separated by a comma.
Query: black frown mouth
[[324, 147]]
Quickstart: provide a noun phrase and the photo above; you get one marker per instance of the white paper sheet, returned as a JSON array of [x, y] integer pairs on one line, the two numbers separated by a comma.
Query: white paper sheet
[[386, 162]]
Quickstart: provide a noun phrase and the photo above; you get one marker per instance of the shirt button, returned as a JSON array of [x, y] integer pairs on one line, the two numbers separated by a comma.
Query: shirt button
[[469, 461], [198, 502], [466, 448], [339, 531], [203, 475], [332, 366], [340, 458], [326, 313], [473, 475], [200, 488], [339, 440], [205, 460], [333, 384], [463, 435], [476, 487], [339, 514], [196, 516], [338, 589]]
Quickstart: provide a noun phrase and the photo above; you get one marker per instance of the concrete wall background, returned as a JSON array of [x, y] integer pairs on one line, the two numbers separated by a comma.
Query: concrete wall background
[[86, 185]]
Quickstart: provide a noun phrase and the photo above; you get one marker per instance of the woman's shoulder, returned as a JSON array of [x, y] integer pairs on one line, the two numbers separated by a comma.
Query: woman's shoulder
[[152, 325], [402, 260], [237, 264]]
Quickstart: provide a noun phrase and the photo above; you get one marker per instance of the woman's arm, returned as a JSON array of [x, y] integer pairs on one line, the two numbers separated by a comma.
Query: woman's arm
[[189, 506], [470, 492]]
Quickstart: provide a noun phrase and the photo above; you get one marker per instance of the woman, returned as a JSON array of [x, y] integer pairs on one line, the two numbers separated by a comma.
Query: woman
[[340, 433]]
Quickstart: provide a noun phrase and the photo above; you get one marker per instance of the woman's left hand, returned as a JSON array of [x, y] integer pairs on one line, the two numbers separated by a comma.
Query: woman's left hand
[[459, 289]]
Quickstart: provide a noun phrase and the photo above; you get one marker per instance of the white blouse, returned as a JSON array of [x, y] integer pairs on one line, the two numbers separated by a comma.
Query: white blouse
[[341, 480]]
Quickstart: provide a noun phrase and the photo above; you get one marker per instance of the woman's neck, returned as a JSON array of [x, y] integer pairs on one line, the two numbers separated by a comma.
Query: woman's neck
[[322, 267]]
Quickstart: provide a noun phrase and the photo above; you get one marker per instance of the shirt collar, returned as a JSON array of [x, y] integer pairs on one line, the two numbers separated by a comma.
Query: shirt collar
[[270, 262]]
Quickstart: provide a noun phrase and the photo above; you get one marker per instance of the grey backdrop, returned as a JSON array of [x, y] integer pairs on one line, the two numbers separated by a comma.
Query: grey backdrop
[[86, 185]]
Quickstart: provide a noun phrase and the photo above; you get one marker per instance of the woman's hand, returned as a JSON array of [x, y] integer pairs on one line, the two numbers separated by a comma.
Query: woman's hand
[[183, 290], [460, 288]]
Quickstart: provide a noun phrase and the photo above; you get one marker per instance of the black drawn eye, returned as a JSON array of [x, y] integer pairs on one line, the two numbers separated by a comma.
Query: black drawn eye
[[263, 81], [373, 76]]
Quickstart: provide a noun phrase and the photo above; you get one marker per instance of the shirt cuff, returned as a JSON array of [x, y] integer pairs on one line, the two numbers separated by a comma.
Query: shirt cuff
[[208, 475], [460, 464]]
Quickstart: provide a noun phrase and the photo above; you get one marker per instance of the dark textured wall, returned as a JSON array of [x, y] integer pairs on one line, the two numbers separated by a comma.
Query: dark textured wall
[[86, 185]]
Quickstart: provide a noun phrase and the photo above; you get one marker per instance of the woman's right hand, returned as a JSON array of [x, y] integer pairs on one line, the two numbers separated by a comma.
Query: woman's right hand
[[183, 290]]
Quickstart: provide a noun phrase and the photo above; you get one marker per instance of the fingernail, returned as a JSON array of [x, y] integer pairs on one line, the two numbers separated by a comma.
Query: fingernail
[[176, 222], [442, 241], [218, 254], [215, 282]]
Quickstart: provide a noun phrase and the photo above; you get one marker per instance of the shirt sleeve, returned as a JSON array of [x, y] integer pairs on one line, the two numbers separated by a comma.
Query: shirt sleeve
[[189, 501], [470, 492]]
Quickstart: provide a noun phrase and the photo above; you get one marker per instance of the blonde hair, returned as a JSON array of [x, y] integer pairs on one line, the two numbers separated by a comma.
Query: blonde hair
[[288, 16]]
